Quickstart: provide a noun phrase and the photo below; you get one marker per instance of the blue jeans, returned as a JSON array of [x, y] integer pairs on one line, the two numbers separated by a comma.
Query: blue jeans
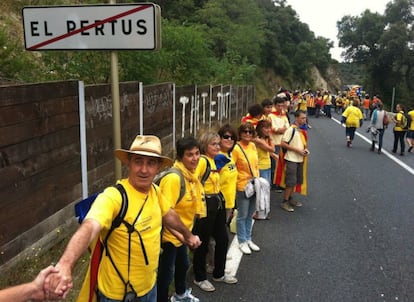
[[245, 210], [172, 259], [266, 175], [151, 296]]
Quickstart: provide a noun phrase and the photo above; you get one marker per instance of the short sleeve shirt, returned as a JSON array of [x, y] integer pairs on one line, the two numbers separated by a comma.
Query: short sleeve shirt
[[142, 275]]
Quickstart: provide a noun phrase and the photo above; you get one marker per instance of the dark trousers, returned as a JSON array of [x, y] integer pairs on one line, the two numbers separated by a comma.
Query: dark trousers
[[380, 139], [328, 111], [214, 225], [399, 137], [350, 132], [174, 263]]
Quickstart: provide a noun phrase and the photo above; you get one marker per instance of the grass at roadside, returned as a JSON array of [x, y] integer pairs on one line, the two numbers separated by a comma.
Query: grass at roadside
[[27, 269]]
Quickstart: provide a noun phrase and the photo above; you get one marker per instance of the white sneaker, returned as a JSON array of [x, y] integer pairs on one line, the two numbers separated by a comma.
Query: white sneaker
[[186, 297], [226, 279], [253, 246], [244, 247], [205, 285]]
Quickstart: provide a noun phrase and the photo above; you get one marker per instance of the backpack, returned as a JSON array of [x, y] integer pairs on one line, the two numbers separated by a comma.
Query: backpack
[[206, 172], [159, 176], [88, 290], [293, 134], [82, 207], [404, 124]]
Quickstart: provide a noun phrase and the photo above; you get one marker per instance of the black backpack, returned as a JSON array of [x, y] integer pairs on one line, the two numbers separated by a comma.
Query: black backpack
[[405, 121], [206, 172], [81, 209]]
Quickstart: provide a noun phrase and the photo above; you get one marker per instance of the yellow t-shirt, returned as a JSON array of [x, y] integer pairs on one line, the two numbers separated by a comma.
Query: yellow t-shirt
[[302, 104], [353, 116], [244, 174], [398, 118], [212, 184], [228, 179], [278, 121], [264, 158], [105, 208], [186, 208], [411, 127]]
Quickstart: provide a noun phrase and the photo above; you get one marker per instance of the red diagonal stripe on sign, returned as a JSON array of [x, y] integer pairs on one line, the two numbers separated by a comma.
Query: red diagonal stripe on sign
[[82, 29]]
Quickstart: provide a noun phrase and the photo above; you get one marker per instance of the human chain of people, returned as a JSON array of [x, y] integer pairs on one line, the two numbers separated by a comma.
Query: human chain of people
[[225, 178]]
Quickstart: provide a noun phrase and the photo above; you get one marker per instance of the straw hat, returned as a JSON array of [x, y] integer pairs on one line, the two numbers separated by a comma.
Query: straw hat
[[147, 145]]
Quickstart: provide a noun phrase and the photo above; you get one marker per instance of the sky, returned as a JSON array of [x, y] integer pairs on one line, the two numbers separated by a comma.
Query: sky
[[322, 15]]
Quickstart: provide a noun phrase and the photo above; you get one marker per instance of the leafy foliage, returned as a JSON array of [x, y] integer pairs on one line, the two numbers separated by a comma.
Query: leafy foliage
[[203, 41], [384, 46]]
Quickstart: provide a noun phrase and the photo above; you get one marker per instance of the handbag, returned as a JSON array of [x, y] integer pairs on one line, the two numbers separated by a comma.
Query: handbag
[[386, 120]]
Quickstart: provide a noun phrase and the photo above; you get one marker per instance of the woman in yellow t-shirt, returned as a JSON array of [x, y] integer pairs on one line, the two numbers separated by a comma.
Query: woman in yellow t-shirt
[[265, 150], [352, 118], [247, 163], [214, 225], [227, 168], [174, 260]]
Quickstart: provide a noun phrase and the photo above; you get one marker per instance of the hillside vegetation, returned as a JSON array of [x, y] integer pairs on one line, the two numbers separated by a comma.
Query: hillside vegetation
[[258, 42], [214, 41]]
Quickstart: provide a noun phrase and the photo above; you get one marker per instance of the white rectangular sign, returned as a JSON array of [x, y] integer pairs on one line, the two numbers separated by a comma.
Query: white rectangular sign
[[105, 27]]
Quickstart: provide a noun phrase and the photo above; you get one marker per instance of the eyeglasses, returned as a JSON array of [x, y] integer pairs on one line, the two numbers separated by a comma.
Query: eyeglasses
[[215, 144], [226, 136], [248, 131]]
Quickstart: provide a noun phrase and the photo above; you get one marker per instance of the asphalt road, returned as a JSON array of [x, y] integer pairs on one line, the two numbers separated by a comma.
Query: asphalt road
[[351, 241]]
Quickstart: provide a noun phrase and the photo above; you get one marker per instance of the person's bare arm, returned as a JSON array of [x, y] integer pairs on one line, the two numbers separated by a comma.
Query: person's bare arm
[[29, 291], [173, 222], [60, 284], [262, 144]]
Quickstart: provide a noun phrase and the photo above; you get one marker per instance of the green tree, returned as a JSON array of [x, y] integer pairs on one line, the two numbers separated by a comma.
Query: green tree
[[383, 44]]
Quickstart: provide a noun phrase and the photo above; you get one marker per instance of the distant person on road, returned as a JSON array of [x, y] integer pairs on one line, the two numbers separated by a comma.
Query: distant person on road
[[410, 132], [174, 260], [327, 99], [365, 107], [129, 263], [352, 118], [399, 131], [292, 168], [377, 127], [31, 291]]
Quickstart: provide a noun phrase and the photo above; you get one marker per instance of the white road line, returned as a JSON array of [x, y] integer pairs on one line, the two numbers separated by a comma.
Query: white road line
[[388, 154], [234, 256]]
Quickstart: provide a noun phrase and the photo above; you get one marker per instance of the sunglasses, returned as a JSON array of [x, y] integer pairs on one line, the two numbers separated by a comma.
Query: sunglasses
[[226, 136], [248, 131]]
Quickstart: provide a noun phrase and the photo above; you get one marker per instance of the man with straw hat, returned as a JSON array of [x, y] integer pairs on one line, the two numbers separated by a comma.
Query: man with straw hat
[[128, 267]]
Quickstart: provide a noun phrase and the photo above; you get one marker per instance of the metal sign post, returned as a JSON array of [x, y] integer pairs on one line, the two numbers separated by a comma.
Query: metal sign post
[[95, 27]]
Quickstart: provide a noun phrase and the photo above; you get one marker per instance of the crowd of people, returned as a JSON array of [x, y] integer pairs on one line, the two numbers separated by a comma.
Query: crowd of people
[[354, 110], [220, 171]]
